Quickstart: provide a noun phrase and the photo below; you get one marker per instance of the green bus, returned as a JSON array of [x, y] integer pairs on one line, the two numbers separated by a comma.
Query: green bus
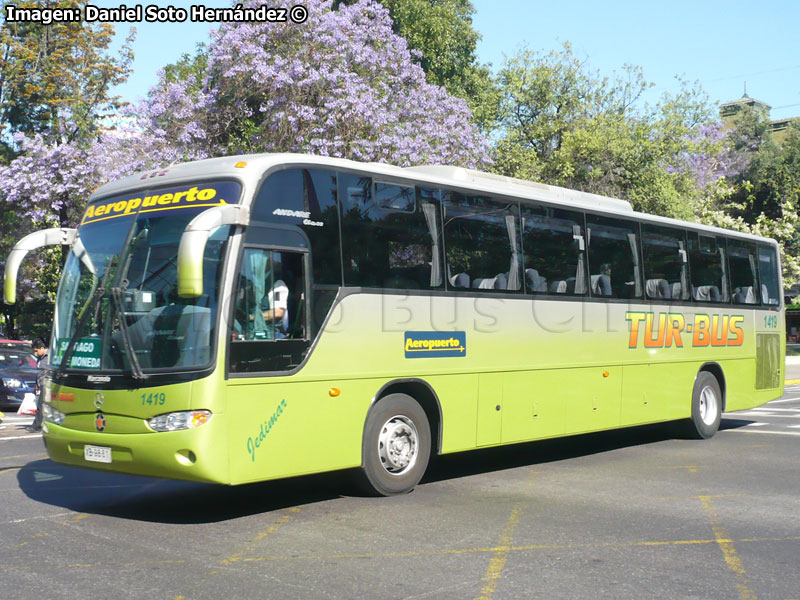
[[265, 316]]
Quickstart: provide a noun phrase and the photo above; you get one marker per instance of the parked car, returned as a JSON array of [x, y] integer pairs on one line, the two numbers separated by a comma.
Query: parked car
[[18, 346], [17, 377]]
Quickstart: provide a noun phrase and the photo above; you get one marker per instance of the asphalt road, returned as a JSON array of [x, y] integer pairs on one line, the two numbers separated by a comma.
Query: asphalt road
[[627, 514]]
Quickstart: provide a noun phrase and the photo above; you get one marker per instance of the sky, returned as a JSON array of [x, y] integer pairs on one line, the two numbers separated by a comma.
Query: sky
[[723, 45]]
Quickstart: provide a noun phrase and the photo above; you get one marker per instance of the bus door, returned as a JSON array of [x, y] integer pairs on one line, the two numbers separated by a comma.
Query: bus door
[[271, 415], [269, 329]]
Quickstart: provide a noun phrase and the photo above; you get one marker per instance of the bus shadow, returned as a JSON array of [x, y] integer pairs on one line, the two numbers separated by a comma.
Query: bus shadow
[[465, 464], [727, 423], [168, 501], [180, 502]]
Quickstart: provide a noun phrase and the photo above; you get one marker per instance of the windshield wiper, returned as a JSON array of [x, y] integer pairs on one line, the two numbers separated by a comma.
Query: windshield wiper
[[133, 360], [116, 298], [98, 295], [93, 300]]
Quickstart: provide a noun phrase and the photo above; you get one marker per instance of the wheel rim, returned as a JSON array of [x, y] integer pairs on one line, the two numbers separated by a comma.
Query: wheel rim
[[709, 407], [398, 445]]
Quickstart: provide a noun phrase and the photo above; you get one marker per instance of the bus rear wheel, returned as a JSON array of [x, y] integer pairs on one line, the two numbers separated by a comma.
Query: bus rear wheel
[[706, 407], [396, 446]]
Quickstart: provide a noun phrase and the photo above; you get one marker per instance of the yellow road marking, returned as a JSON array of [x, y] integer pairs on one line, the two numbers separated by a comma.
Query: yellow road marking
[[701, 497], [34, 456], [493, 550], [728, 550], [234, 558], [61, 525], [140, 564], [498, 562], [9, 470], [689, 468], [272, 528], [791, 381], [502, 550], [278, 525], [525, 548]]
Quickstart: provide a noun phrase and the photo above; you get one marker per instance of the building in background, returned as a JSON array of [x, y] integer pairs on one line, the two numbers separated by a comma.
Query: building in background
[[778, 126]]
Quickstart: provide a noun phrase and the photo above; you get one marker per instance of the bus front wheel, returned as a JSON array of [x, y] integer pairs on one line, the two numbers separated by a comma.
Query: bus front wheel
[[396, 446], [706, 407]]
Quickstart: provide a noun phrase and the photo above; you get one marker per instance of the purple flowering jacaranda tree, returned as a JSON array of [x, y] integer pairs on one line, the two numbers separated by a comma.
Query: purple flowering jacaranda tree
[[340, 84], [48, 185]]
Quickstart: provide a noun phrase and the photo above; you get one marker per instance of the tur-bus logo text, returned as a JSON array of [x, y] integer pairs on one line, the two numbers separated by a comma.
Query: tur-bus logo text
[[665, 330]]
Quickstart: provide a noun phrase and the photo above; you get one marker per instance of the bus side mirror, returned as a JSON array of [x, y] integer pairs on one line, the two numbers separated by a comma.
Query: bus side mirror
[[37, 239], [193, 244]]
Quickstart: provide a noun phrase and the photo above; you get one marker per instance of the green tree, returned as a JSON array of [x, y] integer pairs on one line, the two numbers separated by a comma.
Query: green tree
[[56, 78], [763, 197], [188, 68], [564, 124], [445, 44], [54, 87], [441, 31], [773, 172]]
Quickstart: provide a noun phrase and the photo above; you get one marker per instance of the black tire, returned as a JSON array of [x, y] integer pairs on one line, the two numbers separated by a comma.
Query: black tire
[[706, 407], [396, 446]]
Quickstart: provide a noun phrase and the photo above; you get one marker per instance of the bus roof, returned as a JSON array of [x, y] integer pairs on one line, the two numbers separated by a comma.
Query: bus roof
[[249, 168]]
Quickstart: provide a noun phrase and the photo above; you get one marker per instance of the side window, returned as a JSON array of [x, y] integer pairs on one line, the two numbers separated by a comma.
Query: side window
[[268, 331], [707, 268], [553, 251], [389, 239], [768, 269], [429, 202], [743, 269], [666, 263], [306, 198], [481, 238], [613, 258]]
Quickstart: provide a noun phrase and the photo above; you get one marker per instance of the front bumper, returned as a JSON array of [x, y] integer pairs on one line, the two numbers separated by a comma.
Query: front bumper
[[190, 455]]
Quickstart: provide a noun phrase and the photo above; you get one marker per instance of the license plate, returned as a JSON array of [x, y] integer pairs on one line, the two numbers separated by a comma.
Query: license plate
[[97, 454]]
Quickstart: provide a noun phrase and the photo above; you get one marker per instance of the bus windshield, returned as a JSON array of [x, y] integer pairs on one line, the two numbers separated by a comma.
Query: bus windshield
[[118, 305]]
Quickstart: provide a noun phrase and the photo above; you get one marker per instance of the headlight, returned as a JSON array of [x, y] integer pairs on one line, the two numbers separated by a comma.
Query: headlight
[[188, 419], [12, 383], [52, 414]]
